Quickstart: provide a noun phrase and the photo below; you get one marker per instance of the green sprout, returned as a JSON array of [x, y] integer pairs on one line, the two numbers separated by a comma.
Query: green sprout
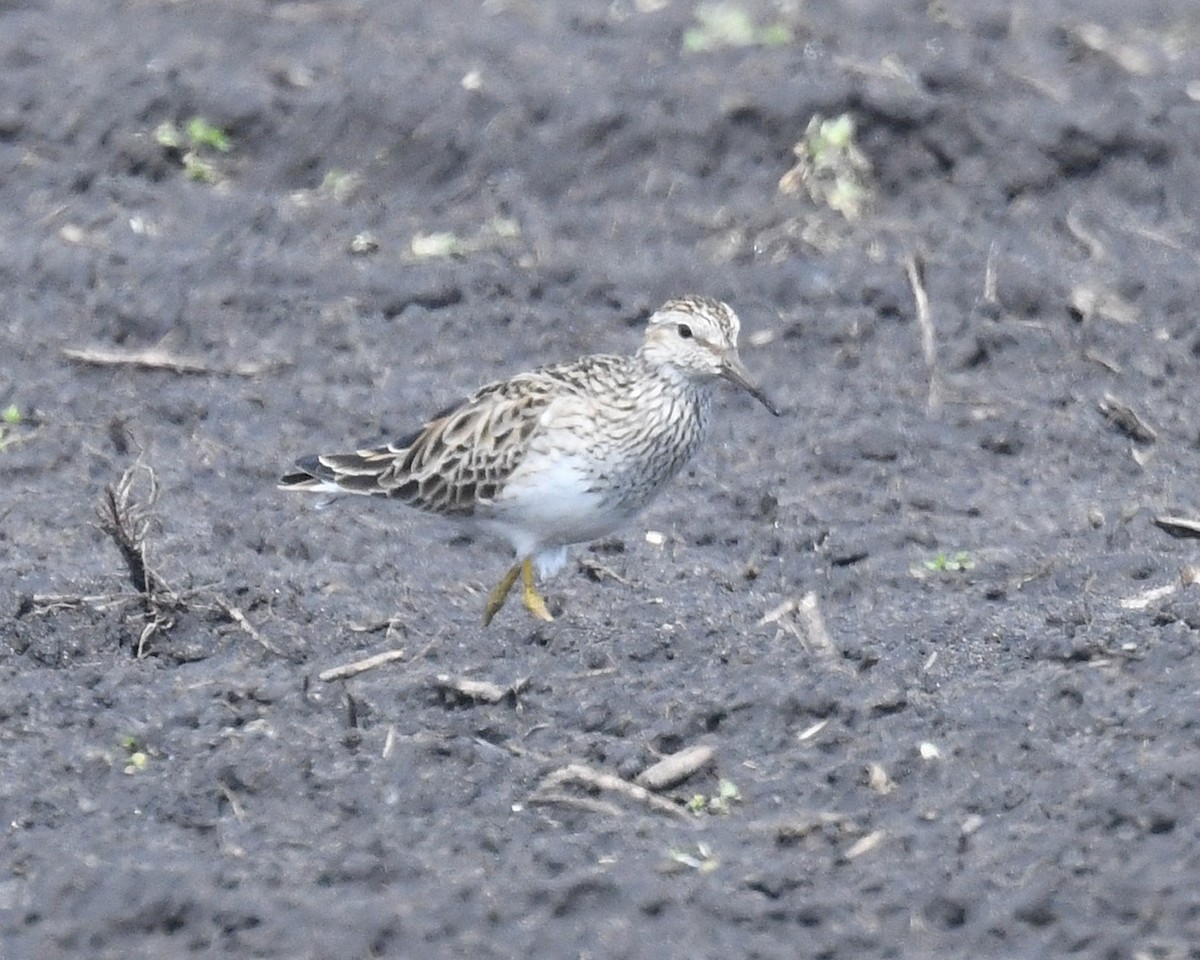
[[727, 794], [201, 133], [830, 167], [945, 563], [136, 756], [10, 419], [195, 141], [728, 25]]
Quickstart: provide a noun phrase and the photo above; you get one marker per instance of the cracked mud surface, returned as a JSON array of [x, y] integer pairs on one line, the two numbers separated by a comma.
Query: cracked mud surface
[[924, 621]]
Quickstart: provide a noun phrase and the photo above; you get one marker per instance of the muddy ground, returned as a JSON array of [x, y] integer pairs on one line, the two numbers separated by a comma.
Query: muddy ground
[[925, 621]]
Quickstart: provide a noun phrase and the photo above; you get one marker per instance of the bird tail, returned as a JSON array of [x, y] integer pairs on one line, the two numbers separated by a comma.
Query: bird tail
[[359, 472]]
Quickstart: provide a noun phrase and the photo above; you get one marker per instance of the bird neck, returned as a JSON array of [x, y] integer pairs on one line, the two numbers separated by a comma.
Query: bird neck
[[672, 375], [676, 393]]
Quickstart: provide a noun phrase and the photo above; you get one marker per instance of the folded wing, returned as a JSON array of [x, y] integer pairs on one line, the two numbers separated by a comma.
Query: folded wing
[[458, 461]]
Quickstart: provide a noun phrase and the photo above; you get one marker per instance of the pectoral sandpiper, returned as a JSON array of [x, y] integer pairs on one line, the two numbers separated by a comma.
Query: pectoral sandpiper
[[563, 454]]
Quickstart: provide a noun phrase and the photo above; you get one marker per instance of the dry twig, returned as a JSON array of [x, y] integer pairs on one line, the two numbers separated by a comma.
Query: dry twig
[[125, 514], [676, 767], [598, 571], [235, 805], [126, 520], [865, 844], [810, 631], [1122, 416], [480, 691], [1180, 527], [578, 774], [241, 620], [156, 358], [914, 267], [347, 670]]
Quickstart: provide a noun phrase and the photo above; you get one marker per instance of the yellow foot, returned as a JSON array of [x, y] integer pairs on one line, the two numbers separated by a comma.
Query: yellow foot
[[533, 600], [497, 597]]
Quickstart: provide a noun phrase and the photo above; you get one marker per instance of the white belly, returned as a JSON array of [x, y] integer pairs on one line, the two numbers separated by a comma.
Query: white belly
[[550, 504], [589, 469]]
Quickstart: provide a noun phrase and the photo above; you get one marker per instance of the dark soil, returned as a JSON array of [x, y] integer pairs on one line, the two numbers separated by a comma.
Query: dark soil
[[925, 620]]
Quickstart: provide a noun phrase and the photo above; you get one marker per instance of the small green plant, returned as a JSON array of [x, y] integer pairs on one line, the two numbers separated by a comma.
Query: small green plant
[[727, 794], [196, 142], [201, 133], [728, 25], [10, 420], [830, 167], [135, 756], [950, 563]]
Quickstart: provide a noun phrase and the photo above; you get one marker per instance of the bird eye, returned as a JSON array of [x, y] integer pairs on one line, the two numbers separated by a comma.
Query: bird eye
[[685, 332]]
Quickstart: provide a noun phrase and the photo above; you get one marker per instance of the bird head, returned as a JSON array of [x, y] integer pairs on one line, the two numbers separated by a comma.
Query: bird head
[[698, 338]]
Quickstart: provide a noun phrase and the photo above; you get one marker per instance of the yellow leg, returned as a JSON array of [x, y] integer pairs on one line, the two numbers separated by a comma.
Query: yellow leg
[[497, 597], [533, 600]]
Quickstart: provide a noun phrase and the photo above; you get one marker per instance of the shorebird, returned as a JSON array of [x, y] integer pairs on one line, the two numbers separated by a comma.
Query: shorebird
[[561, 455]]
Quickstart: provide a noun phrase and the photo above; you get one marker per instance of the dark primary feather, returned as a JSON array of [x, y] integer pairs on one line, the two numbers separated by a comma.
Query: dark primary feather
[[309, 473]]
